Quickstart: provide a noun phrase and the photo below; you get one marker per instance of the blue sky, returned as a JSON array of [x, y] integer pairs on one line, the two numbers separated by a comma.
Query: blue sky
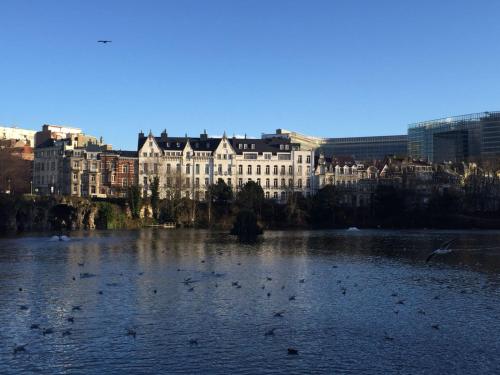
[[326, 68]]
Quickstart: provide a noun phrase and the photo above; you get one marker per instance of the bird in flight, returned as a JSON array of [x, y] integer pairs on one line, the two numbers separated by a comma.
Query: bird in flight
[[104, 41], [444, 248]]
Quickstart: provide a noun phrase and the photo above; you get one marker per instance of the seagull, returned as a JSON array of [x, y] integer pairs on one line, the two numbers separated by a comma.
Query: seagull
[[104, 41], [388, 338], [67, 332], [131, 332], [47, 331], [270, 332], [19, 348], [444, 248]]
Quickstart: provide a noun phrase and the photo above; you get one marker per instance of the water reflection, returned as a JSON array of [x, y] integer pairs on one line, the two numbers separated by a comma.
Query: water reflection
[[368, 303]]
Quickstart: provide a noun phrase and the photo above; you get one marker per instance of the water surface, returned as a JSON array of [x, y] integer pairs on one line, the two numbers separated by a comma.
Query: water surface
[[368, 303]]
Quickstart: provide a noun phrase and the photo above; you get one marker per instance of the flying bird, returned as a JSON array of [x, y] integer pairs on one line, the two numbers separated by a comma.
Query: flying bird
[[104, 41], [444, 248]]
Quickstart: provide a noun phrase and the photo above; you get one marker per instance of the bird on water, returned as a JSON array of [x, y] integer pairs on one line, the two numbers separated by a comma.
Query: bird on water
[[444, 248]]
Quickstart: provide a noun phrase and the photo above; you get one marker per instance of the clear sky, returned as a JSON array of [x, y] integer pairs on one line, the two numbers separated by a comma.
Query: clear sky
[[328, 68]]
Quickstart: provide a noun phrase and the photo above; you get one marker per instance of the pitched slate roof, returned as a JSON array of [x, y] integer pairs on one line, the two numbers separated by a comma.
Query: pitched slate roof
[[124, 153]]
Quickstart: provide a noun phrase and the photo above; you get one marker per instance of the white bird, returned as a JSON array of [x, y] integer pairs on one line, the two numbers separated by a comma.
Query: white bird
[[444, 248]]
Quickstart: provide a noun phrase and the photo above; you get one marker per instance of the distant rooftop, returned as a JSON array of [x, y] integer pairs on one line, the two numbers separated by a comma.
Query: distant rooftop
[[454, 119]]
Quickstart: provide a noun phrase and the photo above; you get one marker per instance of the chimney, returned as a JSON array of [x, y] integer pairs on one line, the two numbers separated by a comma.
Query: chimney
[[164, 135], [204, 136]]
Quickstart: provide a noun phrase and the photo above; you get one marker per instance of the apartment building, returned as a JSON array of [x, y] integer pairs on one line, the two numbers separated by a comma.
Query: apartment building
[[186, 166]]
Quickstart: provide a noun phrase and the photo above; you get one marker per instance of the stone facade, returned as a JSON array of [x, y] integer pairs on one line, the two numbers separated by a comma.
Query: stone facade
[[186, 166]]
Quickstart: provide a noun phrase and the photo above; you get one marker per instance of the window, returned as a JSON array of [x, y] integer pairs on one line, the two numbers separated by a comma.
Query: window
[[197, 182], [252, 146], [275, 182], [168, 168], [229, 169], [258, 169], [299, 159], [308, 183], [125, 168], [299, 169], [75, 189], [250, 155], [290, 170], [207, 169], [92, 190], [267, 183], [178, 168], [150, 144], [258, 181], [240, 182], [283, 183], [299, 183], [308, 169], [267, 195], [275, 170], [219, 169], [206, 182], [275, 195], [145, 167], [188, 169], [245, 146], [169, 181], [267, 156], [283, 169], [229, 182], [145, 154], [155, 168], [187, 182], [249, 169], [92, 178], [75, 176], [240, 169], [290, 182], [197, 169], [308, 159], [267, 169]]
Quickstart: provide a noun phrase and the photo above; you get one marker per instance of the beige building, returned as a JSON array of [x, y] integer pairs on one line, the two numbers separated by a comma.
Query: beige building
[[186, 166], [58, 132], [24, 135], [342, 173]]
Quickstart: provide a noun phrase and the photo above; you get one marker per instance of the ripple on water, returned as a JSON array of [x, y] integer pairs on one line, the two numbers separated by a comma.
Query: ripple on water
[[339, 321]]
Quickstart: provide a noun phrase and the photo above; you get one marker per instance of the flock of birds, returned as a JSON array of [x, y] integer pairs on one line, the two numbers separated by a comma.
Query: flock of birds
[[443, 249]]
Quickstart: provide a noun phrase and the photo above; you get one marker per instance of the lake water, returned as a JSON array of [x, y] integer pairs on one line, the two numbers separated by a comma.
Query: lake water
[[368, 303]]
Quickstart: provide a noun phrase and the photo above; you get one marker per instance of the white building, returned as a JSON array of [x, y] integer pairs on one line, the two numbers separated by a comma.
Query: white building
[[186, 166], [25, 135]]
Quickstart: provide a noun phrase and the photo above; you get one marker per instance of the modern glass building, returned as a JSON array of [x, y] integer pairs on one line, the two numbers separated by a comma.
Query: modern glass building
[[358, 148], [366, 148], [472, 137]]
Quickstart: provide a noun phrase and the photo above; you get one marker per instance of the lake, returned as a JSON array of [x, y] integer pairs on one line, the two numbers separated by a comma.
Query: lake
[[198, 302]]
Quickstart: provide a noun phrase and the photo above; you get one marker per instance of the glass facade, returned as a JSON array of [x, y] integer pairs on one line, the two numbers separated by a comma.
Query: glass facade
[[460, 138], [366, 148]]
